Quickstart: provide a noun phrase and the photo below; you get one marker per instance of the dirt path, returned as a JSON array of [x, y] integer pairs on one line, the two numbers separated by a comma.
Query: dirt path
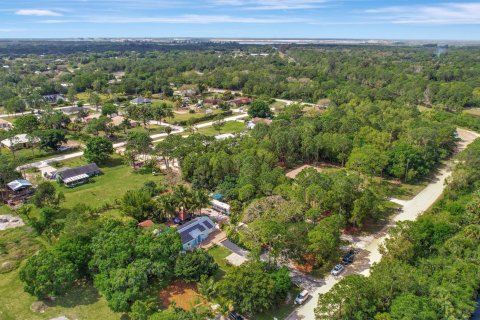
[[371, 244]]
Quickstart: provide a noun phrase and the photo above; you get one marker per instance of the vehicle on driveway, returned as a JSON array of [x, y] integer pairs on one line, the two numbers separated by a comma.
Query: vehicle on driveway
[[232, 315], [349, 257], [337, 269], [302, 297]]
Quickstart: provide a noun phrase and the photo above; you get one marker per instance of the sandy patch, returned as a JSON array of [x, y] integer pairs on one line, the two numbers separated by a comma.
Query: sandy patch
[[184, 294], [293, 173]]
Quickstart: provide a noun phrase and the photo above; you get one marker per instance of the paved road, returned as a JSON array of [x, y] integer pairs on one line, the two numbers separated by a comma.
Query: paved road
[[155, 138], [371, 244]]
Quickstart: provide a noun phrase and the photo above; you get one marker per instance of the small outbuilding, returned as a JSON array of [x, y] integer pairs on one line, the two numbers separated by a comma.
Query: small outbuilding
[[221, 207]]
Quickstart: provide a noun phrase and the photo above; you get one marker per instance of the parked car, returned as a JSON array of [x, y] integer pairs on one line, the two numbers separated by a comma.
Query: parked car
[[302, 297], [348, 258], [232, 315], [337, 269]]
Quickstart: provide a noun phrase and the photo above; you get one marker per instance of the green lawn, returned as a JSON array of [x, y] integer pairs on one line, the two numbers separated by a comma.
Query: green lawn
[[116, 179], [219, 254], [27, 155], [229, 127], [82, 302], [186, 116]]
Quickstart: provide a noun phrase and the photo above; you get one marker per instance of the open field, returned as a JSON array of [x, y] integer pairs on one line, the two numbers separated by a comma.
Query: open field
[[116, 179], [186, 116], [229, 127], [83, 302]]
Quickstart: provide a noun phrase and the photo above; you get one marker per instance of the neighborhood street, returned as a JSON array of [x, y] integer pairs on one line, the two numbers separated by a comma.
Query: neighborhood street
[[155, 138], [370, 245]]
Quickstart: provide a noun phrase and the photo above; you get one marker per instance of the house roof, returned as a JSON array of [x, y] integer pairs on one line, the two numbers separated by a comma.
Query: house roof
[[224, 136], [19, 184], [220, 204], [19, 139], [73, 109], [197, 225], [146, 224], [140, 100], [77, 172]]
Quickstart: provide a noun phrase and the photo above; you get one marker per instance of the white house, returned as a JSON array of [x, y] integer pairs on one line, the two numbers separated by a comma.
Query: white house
[[220, 206], [194, 232], [224, 136], [20, 141]]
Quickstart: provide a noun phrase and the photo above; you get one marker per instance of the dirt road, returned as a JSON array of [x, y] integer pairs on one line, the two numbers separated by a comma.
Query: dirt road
[[370, 245]]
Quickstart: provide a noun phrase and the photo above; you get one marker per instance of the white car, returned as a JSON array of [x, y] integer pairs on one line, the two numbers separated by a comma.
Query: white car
[[337, 269], [302, 297]]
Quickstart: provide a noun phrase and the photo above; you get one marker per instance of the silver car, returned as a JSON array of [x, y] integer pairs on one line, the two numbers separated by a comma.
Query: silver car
[[337, 269]]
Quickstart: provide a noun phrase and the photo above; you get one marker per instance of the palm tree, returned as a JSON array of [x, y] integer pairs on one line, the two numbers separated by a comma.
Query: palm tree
[[166, 207], [182, 197], [200, 200]]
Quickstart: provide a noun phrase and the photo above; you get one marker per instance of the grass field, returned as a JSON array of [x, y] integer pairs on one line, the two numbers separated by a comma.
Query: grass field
[[82, 302], [116, 179], [473, 111], [229, 127], [186, 116], [219, 254]]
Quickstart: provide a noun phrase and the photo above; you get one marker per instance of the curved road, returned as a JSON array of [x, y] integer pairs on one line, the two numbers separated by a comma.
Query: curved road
[[155, 138], [370, 245]]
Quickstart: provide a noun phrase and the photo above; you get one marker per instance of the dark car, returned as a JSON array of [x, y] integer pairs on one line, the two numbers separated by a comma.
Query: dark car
[[234, 316], [349, 257]]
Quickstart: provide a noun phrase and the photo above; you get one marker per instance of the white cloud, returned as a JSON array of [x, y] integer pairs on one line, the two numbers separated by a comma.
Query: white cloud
[[185, 19], [37, 13], [449, 13], [271, 4]]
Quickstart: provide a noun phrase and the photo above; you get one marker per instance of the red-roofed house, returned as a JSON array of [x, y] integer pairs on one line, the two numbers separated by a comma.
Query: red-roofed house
[[146, 224]]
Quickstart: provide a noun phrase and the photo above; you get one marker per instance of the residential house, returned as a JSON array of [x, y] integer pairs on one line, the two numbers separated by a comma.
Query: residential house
[[53, 98], [76, 176], [224, 136], [20, 141], [72, 110], [240, 101], [5, 125], [141, 100], [195, 232], [19, 190]]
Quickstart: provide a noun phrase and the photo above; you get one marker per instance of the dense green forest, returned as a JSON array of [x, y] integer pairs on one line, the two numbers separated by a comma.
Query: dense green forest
[[369, 121], [429, 268]]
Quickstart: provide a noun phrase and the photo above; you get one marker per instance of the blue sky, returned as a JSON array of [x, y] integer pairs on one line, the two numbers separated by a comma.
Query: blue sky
[[388, 19]]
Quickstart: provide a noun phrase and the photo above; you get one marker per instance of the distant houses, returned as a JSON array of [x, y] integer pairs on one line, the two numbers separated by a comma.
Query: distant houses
[[140, 100], [194, 232], [241, 101], [5, 125], [53, 98], [76, 176]]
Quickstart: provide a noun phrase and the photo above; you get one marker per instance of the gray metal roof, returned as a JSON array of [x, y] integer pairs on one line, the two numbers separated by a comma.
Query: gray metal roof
[[87, 169], [201, 224]]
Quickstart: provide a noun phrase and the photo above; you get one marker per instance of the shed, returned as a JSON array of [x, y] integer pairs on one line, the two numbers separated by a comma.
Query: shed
[[19, 185]]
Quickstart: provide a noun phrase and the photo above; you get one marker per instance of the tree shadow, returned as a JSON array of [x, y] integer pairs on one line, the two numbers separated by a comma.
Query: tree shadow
[[82, 294], [112, 162]]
